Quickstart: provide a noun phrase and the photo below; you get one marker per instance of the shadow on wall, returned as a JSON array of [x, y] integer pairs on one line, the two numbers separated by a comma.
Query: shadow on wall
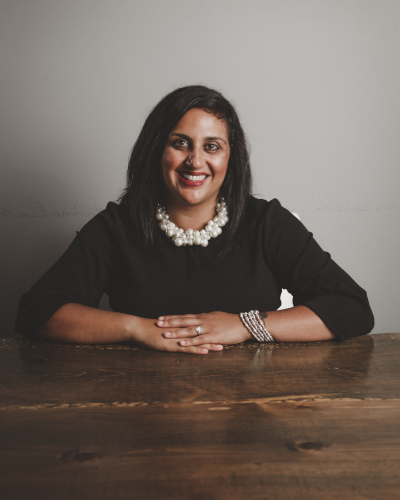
[[36, 230]]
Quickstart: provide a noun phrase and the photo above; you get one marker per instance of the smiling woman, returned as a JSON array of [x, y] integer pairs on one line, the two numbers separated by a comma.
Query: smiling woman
[[188, 257], [195, 160]]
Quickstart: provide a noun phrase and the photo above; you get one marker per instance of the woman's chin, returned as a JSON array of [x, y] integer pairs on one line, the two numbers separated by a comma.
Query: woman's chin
[[183, 195], [195, 198]]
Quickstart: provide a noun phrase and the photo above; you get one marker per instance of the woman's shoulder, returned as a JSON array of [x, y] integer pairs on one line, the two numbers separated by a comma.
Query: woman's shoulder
[[271, 209], [263, 204], [272, 220], [107, 223]]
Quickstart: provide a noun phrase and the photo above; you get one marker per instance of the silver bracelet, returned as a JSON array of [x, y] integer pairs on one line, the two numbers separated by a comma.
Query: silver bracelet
[[255, 325]]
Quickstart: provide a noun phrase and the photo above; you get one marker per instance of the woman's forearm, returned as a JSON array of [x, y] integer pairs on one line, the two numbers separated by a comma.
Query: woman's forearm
[[297, 324], [80, 324]]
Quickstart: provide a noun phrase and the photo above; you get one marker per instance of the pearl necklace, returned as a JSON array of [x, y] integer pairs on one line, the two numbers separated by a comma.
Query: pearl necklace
[[191, 237]]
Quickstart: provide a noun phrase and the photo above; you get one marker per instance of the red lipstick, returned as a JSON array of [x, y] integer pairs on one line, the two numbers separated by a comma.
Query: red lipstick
[[189, 183]]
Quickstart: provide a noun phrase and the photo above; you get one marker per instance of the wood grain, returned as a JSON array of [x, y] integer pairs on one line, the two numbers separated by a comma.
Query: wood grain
[[298, 421], [287, 450]]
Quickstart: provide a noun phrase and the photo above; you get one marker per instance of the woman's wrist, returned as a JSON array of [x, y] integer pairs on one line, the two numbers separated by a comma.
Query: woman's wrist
[[246, 333], [131, 328], [254, 323]]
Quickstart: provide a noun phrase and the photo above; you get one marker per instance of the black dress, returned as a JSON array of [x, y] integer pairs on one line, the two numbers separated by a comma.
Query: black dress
[[190, 280]]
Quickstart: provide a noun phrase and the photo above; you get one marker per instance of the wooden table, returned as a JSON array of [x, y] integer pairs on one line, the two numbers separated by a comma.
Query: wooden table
[[292, 421]]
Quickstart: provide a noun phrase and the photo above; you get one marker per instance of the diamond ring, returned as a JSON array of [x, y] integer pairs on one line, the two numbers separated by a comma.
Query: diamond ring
[[198, 330]]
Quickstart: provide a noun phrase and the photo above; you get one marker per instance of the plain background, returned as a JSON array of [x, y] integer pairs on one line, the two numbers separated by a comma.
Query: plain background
[[316, 84]]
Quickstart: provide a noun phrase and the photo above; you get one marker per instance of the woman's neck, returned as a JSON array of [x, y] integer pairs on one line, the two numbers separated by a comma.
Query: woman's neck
[[191, 216]]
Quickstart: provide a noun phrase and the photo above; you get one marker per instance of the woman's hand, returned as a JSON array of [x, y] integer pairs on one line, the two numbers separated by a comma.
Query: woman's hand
[[149, 335], [217, 328]]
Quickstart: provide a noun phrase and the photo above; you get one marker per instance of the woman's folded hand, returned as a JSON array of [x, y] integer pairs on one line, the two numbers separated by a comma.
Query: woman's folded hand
[[150, 336], [213, 329]]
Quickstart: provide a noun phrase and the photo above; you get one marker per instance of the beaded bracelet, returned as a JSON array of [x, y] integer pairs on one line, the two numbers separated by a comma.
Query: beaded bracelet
[[255, 325]]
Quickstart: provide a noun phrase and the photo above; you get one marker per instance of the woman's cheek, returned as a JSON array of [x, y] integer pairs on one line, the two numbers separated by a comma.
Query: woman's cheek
[[171, 160]]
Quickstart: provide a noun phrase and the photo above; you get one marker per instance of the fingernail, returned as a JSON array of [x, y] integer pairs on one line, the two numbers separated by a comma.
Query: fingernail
[[160, 322], [161, 317], [205, 351], [167, 334], [183, 342]]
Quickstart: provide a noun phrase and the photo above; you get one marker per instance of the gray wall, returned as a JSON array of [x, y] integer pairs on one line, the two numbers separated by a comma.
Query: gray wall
[[316, 84]]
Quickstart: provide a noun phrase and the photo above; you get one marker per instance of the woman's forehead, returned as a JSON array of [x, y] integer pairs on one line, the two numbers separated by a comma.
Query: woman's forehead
[[200, 122]]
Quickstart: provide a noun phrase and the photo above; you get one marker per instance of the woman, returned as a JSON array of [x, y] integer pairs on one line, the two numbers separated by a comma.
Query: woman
[[188, 249]]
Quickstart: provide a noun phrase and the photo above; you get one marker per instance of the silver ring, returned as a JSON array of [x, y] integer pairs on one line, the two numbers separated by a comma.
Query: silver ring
[[198, 330]]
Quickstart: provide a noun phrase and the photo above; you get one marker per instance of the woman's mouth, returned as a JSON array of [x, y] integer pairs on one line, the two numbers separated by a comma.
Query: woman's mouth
[[191, 179]]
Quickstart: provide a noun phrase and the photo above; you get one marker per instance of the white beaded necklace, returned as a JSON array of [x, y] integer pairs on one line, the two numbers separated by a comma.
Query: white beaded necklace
[[191, 237]]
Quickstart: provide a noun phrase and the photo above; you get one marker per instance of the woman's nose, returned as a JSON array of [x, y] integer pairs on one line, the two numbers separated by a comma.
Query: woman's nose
[[194, 160]]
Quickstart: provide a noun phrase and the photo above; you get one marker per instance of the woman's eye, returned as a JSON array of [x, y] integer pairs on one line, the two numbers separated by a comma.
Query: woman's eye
[[180, 143], [212, 146]]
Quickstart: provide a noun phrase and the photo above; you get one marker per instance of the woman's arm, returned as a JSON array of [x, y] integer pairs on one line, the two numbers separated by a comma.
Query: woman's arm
[[79, 324], [300, 265], [297, 324]]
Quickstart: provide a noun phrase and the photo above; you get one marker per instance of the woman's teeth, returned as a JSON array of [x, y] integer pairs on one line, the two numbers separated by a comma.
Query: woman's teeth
[[193, 177]]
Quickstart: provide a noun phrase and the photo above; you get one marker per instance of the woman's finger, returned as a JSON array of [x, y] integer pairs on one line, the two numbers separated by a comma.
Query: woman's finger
[[200, 340], [181, 333], [175, 316], [212, 347], [178, 322], [193, 350], [204, 349]]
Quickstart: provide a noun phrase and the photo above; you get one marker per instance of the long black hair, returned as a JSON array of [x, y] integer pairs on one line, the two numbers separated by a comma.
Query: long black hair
[[145, 185]]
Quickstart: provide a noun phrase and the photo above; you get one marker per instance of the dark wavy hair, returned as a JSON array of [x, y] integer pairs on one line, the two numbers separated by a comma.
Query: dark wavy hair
[[145, 185]]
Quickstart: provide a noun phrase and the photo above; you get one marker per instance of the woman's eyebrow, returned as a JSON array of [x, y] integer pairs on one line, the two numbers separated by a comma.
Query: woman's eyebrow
[[177, 134], [215, 139]]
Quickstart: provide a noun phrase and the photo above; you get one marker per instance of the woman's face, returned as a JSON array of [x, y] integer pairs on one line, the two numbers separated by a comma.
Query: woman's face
[[195, 158]]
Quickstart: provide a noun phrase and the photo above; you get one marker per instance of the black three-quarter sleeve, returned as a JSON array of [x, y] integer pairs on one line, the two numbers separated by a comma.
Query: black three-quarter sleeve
[[80, 275], [312, 277]]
